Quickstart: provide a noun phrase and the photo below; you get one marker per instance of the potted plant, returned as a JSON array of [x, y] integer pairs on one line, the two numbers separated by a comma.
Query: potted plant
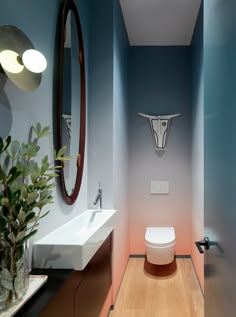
[[26, 182]]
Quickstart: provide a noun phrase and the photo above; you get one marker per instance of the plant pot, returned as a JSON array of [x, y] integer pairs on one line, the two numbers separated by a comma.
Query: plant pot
[[14, 273]]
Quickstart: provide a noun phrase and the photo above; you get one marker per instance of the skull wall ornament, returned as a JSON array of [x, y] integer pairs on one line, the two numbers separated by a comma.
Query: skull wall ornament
[[159, 126]]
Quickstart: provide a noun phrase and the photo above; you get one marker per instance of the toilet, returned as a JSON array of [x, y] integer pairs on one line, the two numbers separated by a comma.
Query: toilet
[[160, 245]]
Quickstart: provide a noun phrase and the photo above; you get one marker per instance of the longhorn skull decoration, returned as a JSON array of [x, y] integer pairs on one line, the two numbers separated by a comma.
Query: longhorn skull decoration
[[67, 118], [159, 126]]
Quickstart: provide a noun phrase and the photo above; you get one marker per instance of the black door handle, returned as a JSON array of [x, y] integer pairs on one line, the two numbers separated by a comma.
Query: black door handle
[[204, 242]]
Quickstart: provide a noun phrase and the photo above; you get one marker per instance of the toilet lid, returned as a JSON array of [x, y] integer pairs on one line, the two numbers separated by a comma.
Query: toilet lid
[[160, 236]]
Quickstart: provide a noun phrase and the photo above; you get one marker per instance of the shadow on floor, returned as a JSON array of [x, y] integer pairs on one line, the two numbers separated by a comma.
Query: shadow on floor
[[160, 271]]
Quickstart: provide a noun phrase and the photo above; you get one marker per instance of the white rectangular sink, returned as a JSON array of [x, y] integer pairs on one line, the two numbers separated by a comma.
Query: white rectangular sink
[[72, 245]]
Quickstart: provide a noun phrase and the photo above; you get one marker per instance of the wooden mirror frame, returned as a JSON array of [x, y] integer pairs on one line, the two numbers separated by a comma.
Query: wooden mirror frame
[[70, 6]]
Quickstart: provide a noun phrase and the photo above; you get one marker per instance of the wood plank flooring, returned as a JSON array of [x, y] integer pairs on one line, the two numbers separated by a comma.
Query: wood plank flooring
[[151, 291]]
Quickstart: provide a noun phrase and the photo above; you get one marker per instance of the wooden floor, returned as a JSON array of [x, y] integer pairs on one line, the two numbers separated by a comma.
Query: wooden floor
[[151, 291]]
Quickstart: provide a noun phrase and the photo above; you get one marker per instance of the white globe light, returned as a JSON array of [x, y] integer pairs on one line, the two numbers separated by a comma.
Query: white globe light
[[10, 61], [34, 61]]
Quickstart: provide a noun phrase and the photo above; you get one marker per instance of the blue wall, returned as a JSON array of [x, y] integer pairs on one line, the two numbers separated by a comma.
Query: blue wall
[[106, 56], [220, 155], [20, 110], [120, 143], [198, 146], [100, 112], [160, 83]]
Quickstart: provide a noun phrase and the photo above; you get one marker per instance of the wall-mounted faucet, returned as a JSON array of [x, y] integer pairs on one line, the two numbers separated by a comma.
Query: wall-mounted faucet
[[98, 199]]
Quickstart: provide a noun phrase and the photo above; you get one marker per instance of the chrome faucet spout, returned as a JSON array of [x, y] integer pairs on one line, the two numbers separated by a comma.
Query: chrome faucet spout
[[98, 199]]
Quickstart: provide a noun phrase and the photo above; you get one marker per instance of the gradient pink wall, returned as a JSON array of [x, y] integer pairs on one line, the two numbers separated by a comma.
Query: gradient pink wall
[[120, 147], [160, 210], [160, 83], [106, 306], [108, 140], [118, 153]]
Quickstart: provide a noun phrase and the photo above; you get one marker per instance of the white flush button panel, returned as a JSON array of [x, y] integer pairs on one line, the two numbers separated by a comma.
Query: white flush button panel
[[159, 187]]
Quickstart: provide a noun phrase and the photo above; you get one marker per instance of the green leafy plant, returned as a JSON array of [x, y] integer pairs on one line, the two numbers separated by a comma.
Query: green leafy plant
[[26, 182]]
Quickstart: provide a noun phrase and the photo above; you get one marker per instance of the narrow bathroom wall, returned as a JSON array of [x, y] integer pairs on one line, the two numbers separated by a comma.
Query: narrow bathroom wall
[[38, 20], [108, 141], [120, 145], [100, 114], [220, 156], [160, 83], [198, 147]]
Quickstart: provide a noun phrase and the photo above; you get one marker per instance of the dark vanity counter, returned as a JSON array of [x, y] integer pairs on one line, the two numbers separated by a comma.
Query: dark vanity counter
[[73, 293], [56, 280]]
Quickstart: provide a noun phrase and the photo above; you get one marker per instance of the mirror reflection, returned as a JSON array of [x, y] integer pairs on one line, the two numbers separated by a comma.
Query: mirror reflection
[[71, 101]]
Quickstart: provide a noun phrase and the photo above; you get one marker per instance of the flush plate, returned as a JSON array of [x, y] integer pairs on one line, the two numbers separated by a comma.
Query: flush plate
[[159, 187]]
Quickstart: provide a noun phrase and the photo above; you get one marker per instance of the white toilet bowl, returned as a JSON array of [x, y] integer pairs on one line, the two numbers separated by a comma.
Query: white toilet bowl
[[160, 244]]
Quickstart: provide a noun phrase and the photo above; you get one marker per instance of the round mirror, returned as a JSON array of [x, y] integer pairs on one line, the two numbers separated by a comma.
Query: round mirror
[[72, 101]]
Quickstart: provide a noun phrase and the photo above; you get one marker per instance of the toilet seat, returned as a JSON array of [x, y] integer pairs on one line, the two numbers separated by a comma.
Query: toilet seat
[[160, 236]]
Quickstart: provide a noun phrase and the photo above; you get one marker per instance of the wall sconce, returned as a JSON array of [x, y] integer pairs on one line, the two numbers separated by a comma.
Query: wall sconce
[[159, 126], [19, 60]]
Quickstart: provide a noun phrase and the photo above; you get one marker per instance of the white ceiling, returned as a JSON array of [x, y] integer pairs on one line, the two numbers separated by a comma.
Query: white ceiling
[[160, 22]]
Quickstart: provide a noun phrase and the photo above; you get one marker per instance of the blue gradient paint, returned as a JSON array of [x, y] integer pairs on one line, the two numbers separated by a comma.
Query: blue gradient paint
[[120, 145], [198, 146], [160, 83], [19, 110], [220, 155], [100, 111]]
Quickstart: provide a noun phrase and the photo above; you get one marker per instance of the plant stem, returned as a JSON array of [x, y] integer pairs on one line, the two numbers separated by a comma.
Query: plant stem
[[12, 266], [36, 221]]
